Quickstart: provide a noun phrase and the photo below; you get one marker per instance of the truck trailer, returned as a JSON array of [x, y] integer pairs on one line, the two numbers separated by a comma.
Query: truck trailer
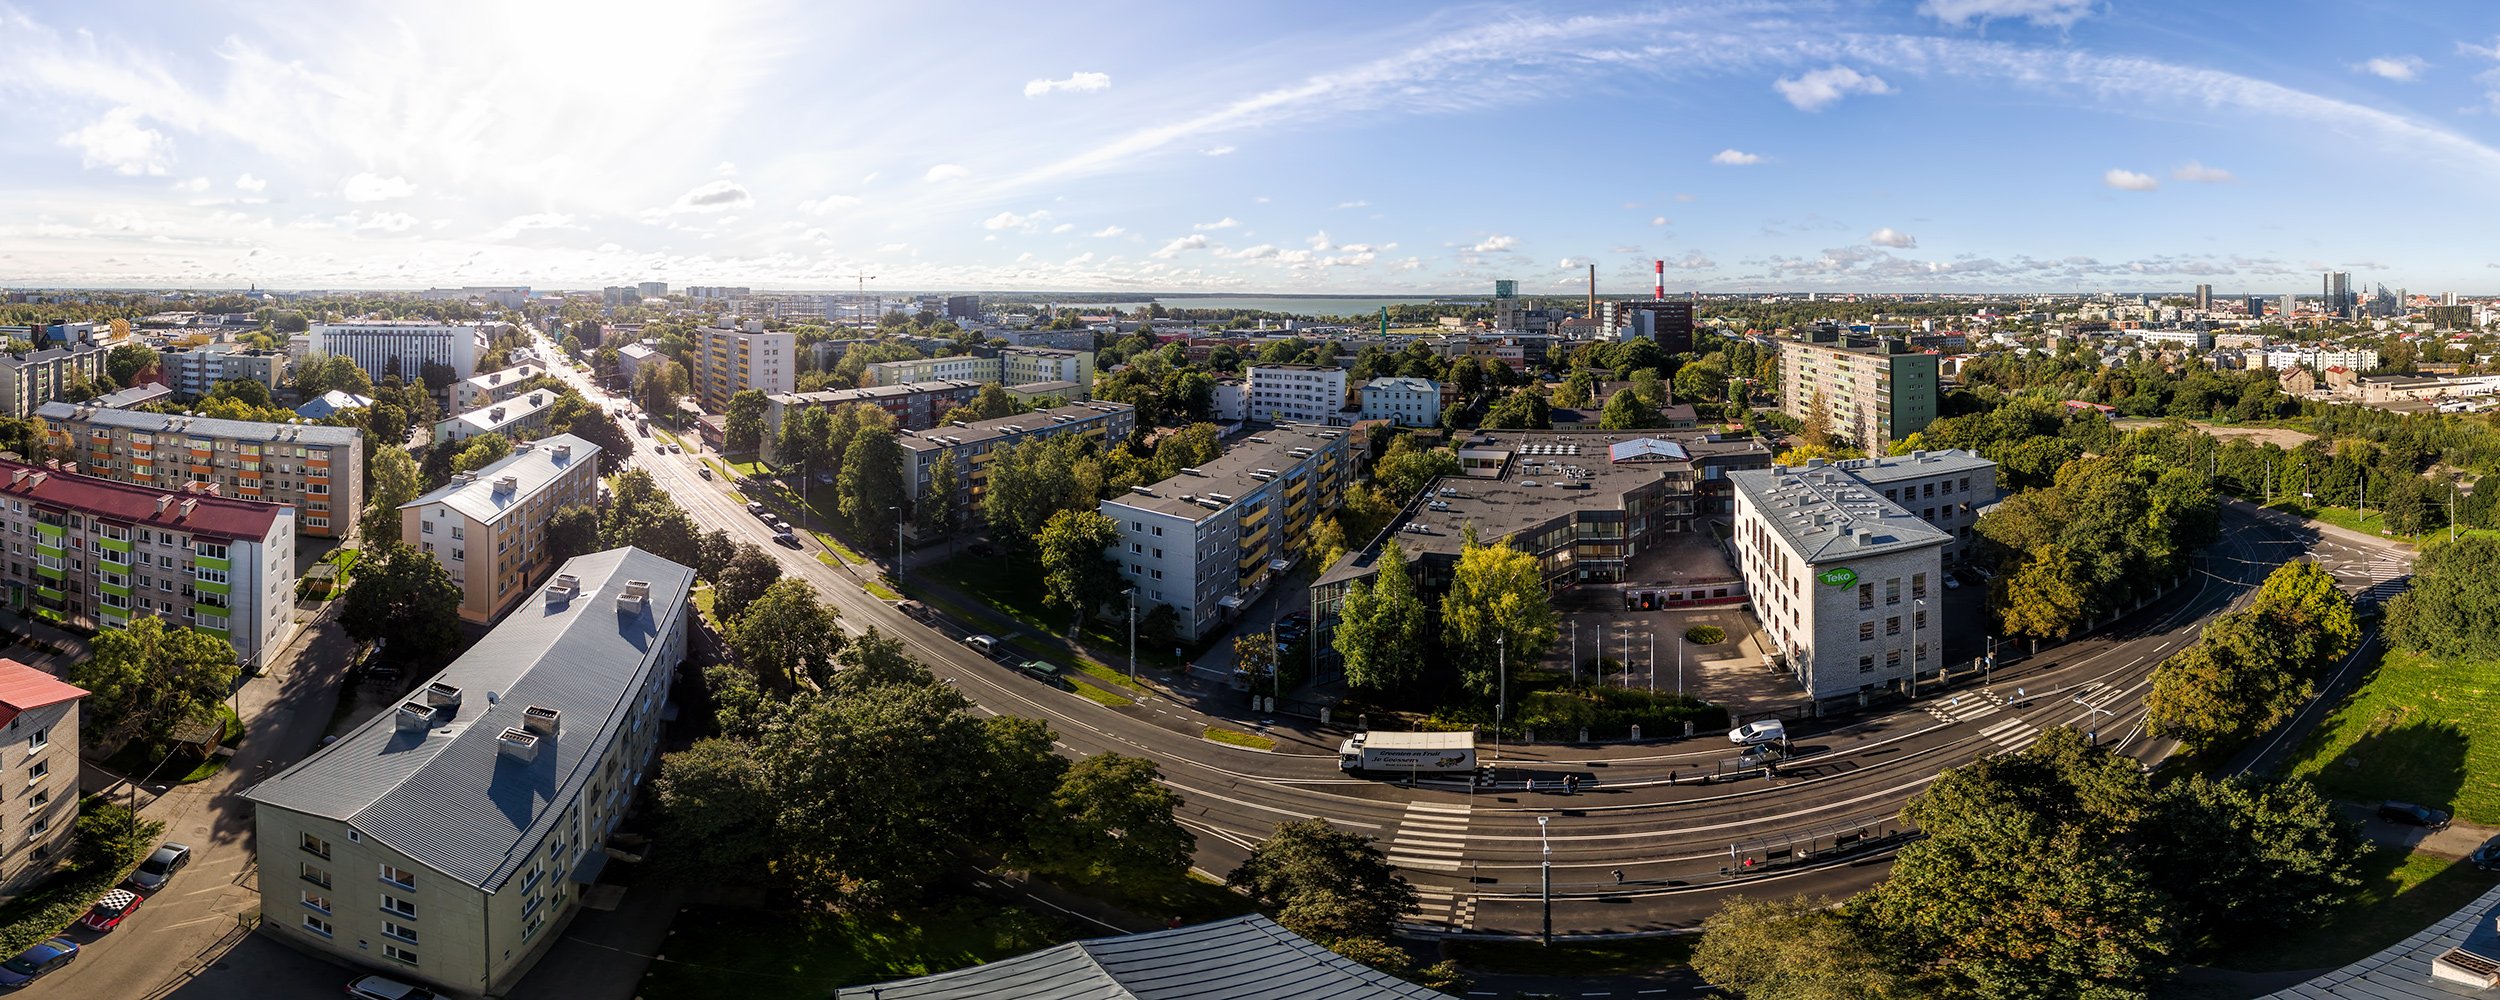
[[1411, 754]]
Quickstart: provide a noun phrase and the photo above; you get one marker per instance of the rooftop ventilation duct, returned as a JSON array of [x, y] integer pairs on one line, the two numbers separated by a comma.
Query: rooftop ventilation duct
[[563, 590], [542, 720], [634, 598], [412, 717], [442, 695], [514, 744]]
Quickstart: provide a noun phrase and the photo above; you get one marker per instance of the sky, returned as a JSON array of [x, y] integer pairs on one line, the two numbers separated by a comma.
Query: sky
[[1283, 146]]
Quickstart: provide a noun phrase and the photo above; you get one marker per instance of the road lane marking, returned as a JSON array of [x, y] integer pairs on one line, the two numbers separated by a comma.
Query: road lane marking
[[1175, 786]]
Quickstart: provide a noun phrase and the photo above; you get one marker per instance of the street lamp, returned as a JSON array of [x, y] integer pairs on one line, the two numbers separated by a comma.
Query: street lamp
[[1132, 635], [1501, 689], [2088, 710], [1546, 866]]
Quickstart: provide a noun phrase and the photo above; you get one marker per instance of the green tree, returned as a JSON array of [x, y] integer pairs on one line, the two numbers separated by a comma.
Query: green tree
[[1024, 769], [786, 635], [1382, 625], [322, 373], [1111, 823], [481, 451], [1523, 409], [2247, 855], [641, 515], [1628, 411], [749, 573], [993, 402], [572, 531], [875, 791], [1187, 448], [1030, 482], [871, 488], [405, 596], [1496, 593], [743, 429], [126, 360], [716, 810], [1075, 572], [1324, 883], [396, 481], [145, 679], [940, 510], [2040, 597], [1792, 949], [1406, 469], [2451, 612]]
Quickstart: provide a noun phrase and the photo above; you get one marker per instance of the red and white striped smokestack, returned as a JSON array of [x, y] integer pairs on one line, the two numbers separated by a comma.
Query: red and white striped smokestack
[[1662, 281]]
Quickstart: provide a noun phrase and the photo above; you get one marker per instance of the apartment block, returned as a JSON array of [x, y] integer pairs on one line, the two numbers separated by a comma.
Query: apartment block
[[631, 357], [1012, 366], [1210, 541], [1410, 402], [1301, 394], [400, 349], [39, 757], [972, 445], [317, 470], [493, 387], [94, 553], [1232, 400], [1848, 583], [451, 841], [730, 361], [522, 416], [29, 380], [914, 406], [489, 528], [193, 371], [1874, 393]]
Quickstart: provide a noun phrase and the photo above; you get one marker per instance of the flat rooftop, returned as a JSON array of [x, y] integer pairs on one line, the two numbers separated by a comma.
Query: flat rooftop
[[1231, 475], [1538, 476], [1826, 513], [975, 432]]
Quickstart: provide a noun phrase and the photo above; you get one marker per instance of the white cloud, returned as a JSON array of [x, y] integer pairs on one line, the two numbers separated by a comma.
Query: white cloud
[[1319, 241], [1353, 204], [945, 172], [1004, 220], [1108, 231], [1175, 248], [2046, 13], [1890, 237], [2129, 180], [117, 142], [714, 196], [1219, 150], [2402, 69], [370, 187], [892, 247], [2202, 174], [1574, 263], [389, 222], [1075, 83], [1824, 87], [1063, 227], [194, 185], [1733, 158], [1226, 222], [725, 169], [247, 182], [1496, 244], [518, 224], [1658, 221], [828, 203], [1261, 252]]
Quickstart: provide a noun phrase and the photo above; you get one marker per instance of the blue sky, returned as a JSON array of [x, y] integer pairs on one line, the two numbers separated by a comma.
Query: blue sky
[[1950, 145]]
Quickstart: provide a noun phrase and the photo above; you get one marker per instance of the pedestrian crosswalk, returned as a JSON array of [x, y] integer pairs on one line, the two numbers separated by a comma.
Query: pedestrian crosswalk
[[1964, 708], [2011, 734], [1452, 910], [1432, 836]]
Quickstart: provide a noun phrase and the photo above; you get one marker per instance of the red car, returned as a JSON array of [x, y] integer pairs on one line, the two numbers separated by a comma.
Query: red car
[[110, 910]]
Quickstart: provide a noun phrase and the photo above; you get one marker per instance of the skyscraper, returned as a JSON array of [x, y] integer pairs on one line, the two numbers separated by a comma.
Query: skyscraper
[[2339, 297], [2204, 296]]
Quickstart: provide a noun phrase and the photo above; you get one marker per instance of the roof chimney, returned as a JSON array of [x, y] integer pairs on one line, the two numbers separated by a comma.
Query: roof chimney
[[634, 598], [514, 744], [161, 502], [542, 721], [190, 504], [442, 695], [412, 718], [508, 484], [1865, 539]]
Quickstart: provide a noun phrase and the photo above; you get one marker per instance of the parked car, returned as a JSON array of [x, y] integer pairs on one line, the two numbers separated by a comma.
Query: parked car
[[1952, 583], [988, 645], [2488, 857], [2411, 815], [110, 910], [756, 507], [786, 538], [1759, 731], [385, 988], [159, 868], [33, 963]]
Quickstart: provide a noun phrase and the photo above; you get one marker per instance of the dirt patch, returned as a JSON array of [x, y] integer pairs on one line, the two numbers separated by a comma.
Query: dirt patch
[[2281, 437]]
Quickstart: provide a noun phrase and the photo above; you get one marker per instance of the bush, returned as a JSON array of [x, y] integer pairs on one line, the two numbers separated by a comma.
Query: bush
[[1607, 711], [1705, 635], [106, 849]]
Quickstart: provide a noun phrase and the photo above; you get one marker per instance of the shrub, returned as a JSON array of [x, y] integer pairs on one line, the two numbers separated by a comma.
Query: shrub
[[1705, 635], [107, 848]]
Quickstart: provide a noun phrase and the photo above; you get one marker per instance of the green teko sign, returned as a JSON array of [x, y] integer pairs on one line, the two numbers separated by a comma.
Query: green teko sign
[[1841, 577]]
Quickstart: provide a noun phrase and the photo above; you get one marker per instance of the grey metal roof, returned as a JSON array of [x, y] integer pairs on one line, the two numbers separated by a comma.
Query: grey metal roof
[[2404, 970], [1826, 513], [1915, 465], [533, 463], [1244, 958], [444, 796], [246, 430]]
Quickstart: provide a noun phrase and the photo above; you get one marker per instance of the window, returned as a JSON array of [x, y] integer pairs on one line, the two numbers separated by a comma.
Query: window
[[1929, 491], [1892, 625], [401, 954], [400, 877], [394, 904], [1866, 631], [1892, 659], [316, 925], [1889, 495], [316, 901], [1965, 484], [41, 739], [1922, 652], [1866, 664], [1866, 595], [1918, 587], [37, 772], [42, 795], [400, 931], [314, 875], [1892, 590], [316, 846]]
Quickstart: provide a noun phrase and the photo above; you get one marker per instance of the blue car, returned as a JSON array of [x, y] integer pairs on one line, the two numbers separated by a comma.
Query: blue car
[[33, 963]]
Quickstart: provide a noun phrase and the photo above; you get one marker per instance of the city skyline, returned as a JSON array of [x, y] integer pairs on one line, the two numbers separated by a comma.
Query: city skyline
[[1911, 145]]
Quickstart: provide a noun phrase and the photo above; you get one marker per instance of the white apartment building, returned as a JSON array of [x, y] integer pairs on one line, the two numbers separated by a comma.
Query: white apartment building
[[1848, 584], [730, 361], [1410, 402], [193, 372], [29, 380], [1012, 366], [2359, 359], [39, 756], [1209, 541], [451, 841], [492, 387], [394, 348], [1302, 394], [1232, 401], [489, 528], [518, 417], [2202, 340]]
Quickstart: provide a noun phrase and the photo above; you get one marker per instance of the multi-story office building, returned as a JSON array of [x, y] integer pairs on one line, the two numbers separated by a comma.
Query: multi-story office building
[[1669, 323], [39, 755], [1209, 541], [192, 372], [493, 387], [400, 349], [1874, 393], [317, 470], [489, 528], [518, 417], [29, 380], [1410, 402], [1012, 366], [450, 841], [2205, 297], [727, 362], [94, 553], [1845, 564], [970, 446], [1300, 394]]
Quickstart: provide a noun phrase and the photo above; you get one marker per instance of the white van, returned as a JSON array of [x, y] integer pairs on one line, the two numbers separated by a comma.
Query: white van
[[1762, 731]]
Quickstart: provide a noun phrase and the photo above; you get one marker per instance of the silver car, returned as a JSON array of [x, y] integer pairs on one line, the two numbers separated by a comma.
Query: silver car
[[159, 868]]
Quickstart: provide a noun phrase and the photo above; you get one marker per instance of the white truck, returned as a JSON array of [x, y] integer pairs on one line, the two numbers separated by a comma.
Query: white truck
[[1389, 755]]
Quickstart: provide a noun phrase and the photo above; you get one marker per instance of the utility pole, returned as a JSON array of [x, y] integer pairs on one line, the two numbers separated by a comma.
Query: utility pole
[[1547, 866], [1653, 663], [1501, 689]]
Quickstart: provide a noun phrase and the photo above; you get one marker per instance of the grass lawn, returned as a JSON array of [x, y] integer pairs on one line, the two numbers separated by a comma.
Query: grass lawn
[[721, 470], [1011, 591], [2401, 893], [1110, 676], [2369, 522], [726, 953], [828, 559], [704, 598], [2418, 731], [1098, 695], [1578, 958], [881, 590], [1196, 899], [1220, 734], [836, 546]]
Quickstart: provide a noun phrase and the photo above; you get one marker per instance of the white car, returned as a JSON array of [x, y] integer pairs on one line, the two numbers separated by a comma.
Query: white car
[[1760, 731]]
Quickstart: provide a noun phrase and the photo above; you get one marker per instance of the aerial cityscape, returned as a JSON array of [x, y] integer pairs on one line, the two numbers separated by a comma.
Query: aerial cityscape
[[1781, 500]]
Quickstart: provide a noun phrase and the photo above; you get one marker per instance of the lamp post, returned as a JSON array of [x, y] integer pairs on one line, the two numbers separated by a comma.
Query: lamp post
[[1653, 662], [1918, 653], [1546, 866], [1679, 664], [1132, 635], [1501, 689], [897, 511]]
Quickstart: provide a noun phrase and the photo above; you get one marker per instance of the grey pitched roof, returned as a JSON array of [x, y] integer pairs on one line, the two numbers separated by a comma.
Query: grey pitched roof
[[2404, 970], [1825, 512], [1915, 465], [246, 430], [444, 796], [533, 463], [1244, 958]]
